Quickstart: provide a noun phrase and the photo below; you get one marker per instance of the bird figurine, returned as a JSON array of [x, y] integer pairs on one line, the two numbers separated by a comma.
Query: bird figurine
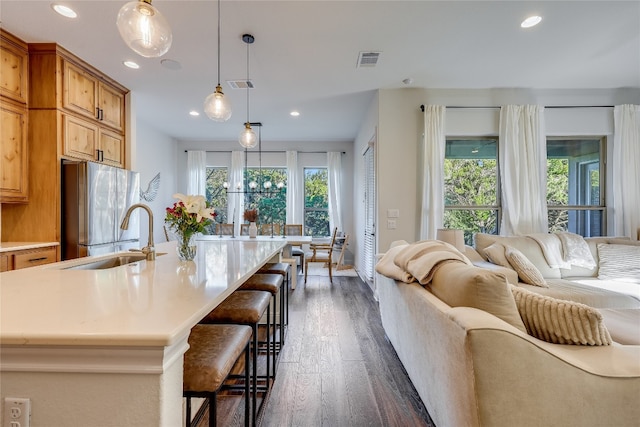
[[151, 192]]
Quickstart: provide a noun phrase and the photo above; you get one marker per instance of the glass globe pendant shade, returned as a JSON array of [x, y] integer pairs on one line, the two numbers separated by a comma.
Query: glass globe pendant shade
[[248, 138], [217, 106], [144, 29]]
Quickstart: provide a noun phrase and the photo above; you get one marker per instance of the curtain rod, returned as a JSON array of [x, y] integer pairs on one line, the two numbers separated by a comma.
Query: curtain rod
[[265, 151], [496, 107]]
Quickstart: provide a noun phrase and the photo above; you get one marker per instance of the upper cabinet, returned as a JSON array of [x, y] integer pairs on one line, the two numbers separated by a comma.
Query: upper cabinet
[[92, 105], [14, 174], [85, 94], [13, 68]]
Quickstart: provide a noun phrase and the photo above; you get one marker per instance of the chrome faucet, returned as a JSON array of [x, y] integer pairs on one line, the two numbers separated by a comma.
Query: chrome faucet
[[149, 250]]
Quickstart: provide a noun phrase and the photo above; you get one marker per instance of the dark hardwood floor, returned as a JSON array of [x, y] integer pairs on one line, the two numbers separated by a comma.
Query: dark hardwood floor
[[337, 367]]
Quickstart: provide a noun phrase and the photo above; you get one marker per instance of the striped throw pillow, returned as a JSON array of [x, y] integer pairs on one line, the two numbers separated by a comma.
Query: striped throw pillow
[[619, 262]]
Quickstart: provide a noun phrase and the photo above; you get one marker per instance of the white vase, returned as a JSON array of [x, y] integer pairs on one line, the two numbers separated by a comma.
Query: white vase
[[253, 230]]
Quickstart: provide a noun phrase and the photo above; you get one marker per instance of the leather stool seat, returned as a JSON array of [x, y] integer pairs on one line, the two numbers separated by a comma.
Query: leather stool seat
[[213, 351], [284, 270], [268, 283], [245, 308]]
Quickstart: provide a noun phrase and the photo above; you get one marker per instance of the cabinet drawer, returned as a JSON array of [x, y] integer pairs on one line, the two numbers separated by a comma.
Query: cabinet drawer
[[33, 258]]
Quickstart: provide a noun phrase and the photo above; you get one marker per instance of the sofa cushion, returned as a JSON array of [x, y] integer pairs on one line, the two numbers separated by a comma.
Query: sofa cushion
[[529, 247], [496, 254], [620, 262], [462, 285], [623, 325], [527, 272], [577, 271], [576, 250], [585, 291], [560, 321]]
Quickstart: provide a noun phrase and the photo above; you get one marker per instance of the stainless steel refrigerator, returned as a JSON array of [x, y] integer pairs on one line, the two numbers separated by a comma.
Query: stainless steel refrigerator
[[95, 198]]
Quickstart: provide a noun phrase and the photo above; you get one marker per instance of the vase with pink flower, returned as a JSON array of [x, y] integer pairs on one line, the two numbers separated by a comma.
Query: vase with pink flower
[[187, 217]]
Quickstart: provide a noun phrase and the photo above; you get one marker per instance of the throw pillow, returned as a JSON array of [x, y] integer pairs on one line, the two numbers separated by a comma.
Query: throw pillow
[[527, 272], [559, 321], [620, 262], [576, 250], [461, 285], [495, 254]]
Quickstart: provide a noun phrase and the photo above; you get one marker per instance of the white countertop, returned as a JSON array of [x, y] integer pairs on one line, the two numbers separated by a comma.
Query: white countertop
[[148, 303], [18, 246]]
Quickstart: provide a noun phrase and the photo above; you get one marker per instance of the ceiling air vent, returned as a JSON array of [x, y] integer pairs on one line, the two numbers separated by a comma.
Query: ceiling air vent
[[368, 59], [240, 84]]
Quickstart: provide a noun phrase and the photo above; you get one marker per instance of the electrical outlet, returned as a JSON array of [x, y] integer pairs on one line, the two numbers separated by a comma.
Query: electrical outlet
[[17, 412], [391, 224]]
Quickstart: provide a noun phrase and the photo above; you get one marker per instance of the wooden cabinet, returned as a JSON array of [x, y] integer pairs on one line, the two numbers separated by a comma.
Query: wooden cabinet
[[86, 94], [60, 126], [13, 68], [14, 174], [13, 134], [15, 260]]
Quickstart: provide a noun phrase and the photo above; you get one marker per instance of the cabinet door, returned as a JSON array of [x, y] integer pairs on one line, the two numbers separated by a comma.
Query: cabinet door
[[80, 91], [80, 138], [4, 263], [13, 70], [13, 152], [112, 146], [111, 103]]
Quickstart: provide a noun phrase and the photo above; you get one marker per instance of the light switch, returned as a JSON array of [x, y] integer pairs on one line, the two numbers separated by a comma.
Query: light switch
[[391, 224], [393, 213]]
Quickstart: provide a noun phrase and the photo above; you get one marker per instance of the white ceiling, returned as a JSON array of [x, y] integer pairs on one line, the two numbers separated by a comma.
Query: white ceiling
[[305, 52]]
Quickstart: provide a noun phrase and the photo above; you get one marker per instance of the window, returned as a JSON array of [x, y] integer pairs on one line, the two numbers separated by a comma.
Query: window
[[316, 202], [471, 186], [575, 179], [216, 195], [272, 207]]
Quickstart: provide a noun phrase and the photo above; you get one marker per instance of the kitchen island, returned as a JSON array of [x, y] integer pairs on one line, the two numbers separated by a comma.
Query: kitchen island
[[104, 347]]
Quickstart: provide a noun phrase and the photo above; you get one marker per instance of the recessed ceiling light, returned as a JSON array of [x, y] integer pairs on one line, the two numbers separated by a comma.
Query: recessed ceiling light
[[295, 113], [131, 64], [531, 21], [63, 10], [194, 113]]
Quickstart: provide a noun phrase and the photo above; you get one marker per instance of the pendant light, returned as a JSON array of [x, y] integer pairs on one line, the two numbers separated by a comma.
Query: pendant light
[[217, 106], [248, 138], [144, 29]]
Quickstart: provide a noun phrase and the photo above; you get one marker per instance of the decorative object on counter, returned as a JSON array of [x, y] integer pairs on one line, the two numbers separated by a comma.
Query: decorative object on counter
[[251, 215], [187, 217], [151, 192]]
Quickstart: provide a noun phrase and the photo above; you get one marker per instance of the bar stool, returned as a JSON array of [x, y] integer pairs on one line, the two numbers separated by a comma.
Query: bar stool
[[245, 308], [283, 269], [213, 351], [268, 283]]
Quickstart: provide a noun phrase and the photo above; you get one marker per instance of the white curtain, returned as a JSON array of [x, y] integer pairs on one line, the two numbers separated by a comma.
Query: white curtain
[[197, 173], [334, 170], [523, 170], [626, 170], [235, 201], [432, 178], [294, 187]]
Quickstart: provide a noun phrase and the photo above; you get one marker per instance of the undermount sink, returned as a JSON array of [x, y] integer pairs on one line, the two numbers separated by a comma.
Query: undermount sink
[[111, 262]]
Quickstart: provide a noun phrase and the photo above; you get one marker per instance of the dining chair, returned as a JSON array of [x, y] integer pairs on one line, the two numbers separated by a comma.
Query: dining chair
[[296, 250], [224, 229], [320, 252], [265, 229]]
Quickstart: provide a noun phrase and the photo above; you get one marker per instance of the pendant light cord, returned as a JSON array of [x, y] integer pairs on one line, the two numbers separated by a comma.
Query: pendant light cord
[[248, 83], [218, 42]]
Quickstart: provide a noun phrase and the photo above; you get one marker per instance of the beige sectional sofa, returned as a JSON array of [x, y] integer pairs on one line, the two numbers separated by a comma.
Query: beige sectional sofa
[[477, 366]]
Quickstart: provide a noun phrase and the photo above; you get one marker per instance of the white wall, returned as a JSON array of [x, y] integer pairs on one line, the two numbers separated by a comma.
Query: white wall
[[308, 156], [400, 124], [155, 152]]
